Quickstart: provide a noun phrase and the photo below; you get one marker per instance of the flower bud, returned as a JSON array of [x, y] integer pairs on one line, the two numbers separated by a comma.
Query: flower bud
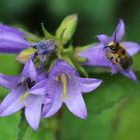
[[67, 28], [25, 55]]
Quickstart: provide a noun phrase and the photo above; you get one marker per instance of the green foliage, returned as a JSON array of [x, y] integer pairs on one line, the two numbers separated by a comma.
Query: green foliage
[[8, 66], [113, 109], [129, 124], [22, 126], [8, 127]]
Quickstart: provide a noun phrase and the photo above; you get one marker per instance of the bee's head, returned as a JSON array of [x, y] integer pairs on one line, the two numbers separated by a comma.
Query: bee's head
[[112, 46]]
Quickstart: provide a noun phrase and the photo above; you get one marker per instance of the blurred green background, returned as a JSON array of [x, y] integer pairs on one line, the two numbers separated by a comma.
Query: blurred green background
[[113, 108]]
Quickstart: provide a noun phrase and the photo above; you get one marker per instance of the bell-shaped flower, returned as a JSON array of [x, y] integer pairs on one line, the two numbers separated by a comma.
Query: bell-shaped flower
[[20, 96], [65, 86], [113, 52], [12, 40]]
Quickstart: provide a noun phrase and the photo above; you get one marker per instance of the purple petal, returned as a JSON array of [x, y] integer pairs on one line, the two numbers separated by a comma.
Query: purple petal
[[40, 88], [119, 32], [130, 74], [104, 39], [47, 99], [60, 67], [48, 103], [9, 81], [33, 110], [114, 69], [89, 84], [12, 102], [41, 75], [29, 70], [96, 56], [131, 47], [74, 101], [12, 40], [55, 90]]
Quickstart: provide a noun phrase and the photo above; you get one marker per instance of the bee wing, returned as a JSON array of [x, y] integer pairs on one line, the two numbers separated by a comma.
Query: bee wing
[[96, 56], [130, 60]]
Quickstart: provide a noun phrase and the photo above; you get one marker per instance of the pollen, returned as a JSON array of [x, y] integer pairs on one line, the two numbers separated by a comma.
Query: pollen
[[63, 79], [24, 97]]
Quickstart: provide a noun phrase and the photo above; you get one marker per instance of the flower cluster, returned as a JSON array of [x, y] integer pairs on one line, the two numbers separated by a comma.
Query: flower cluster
[[50, 74]]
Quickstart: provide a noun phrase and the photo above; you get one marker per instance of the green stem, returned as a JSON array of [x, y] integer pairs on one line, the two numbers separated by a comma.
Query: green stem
[[22, 126]]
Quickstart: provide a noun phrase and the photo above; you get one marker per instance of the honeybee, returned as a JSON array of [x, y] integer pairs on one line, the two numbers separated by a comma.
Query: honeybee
[[117, 54]]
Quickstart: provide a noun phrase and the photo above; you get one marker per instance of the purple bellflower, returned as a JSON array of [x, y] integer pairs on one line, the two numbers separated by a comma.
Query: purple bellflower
[[113, 52], [12, 40], [65, 86], [20, 96]]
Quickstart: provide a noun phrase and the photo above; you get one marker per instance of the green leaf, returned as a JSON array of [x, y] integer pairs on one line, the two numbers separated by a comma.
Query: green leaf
[[46, 131], [94, 127], [8, 127], [104, 106], [8, 64], [113, 89], [128, 121], [67, 28]]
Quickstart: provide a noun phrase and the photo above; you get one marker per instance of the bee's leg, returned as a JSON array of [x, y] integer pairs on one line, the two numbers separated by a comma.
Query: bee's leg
[[110, 56]]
